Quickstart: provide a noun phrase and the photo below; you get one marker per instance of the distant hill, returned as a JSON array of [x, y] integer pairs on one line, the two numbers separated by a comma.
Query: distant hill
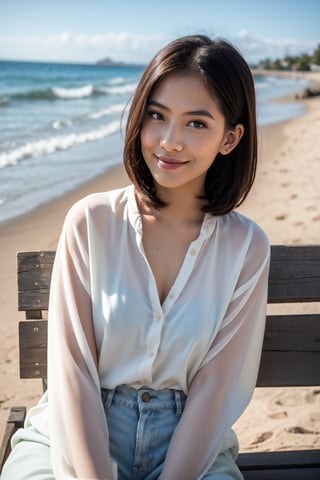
[[113, 63]]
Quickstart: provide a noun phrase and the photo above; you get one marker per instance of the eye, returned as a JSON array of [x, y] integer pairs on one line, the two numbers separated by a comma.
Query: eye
[[197, 124], [155, 115]]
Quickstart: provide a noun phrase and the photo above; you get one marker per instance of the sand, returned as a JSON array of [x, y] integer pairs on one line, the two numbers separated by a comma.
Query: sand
[[284, 201]]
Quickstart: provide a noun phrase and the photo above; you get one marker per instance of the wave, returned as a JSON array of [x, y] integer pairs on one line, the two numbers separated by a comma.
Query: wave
[[81, 92], [262, 85], [117, 80], [107, 111], [56, 93], [4, 101], [129, 88], [58, 124], [63, 93], [51, 145]]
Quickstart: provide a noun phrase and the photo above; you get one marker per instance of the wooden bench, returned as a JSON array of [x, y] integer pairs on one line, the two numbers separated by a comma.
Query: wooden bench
[[291, 350]]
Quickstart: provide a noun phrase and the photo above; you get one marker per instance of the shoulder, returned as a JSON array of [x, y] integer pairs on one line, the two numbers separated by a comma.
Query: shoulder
[[240, 222], [92, 214], [245, 233], [96, 204]]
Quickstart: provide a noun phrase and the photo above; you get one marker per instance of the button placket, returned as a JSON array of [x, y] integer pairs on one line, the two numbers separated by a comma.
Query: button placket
[[153, 336]]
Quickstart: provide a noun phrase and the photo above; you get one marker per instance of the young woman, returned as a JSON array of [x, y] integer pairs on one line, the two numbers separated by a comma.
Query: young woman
[[158, 296]]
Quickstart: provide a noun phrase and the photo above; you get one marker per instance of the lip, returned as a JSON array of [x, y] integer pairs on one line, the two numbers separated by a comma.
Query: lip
[[169, 163]]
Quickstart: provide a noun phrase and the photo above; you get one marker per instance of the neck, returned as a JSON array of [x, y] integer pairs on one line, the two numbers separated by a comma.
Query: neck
[[182, 208]]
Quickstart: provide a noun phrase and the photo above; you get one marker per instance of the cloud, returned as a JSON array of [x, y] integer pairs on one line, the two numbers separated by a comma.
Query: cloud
[[117, 45], [137, 47], [255, 49]]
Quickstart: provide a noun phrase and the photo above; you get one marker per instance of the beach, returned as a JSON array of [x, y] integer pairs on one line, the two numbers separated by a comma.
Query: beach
[[285, 201]]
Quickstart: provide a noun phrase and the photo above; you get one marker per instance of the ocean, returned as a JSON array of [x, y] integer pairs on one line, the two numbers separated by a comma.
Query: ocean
[[60, 125]]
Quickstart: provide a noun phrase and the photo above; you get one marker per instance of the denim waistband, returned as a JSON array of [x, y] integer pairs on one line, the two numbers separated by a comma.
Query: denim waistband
[[145, 398]]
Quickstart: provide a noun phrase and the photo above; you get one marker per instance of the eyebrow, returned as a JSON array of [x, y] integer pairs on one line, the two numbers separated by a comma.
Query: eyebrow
[[201, 113]]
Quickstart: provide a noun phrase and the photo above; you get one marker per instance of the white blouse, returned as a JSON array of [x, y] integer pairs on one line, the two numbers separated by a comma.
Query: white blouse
[[107, 327]]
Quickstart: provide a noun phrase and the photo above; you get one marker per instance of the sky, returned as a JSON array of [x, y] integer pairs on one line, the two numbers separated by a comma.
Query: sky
[[84, 31]]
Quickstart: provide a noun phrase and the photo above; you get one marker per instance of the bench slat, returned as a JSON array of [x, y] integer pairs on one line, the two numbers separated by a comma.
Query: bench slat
[[15, 421], [280, 459], [34, 274], [33, 348], [281, 363], [303, 473], [288, 332], [281, 465], [294, 274], [288, 369]]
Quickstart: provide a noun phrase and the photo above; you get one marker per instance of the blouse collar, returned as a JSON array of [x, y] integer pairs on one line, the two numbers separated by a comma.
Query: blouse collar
[[208, 224]]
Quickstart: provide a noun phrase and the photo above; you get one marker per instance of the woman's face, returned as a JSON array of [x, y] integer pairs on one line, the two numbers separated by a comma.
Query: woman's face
[[182, 132]]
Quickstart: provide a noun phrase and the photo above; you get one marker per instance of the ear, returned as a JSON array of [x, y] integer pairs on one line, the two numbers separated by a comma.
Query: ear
[[231, 139]]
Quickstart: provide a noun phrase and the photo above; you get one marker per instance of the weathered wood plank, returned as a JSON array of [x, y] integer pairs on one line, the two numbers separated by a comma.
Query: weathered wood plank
[[279, 459], [281, 465], [288, 369], [27, 260], [15, 421], [294, 274], [303, 473], [33, 299], [292, 332], [33, 349], [281, 365], [34, 275]]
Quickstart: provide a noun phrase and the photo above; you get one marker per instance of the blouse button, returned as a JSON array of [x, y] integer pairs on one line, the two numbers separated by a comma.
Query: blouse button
[[157, 316], [193, 252], [172, 296]]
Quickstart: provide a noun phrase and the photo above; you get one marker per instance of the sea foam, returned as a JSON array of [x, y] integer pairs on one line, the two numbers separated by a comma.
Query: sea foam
[[120, 89], [81, 92], [50, 145], [107, 111], [117, 80]]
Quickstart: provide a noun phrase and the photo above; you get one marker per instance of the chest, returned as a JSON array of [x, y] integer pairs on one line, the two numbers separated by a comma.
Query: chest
[[165, 249]]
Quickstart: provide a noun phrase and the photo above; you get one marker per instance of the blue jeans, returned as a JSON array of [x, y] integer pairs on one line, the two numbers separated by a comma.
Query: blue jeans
[[140, 424]]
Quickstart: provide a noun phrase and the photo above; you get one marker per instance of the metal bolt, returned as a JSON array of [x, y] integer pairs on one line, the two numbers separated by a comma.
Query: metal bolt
[[36, 329]]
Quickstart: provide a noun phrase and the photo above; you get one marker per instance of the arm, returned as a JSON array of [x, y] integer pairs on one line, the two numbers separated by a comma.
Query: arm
[[78, 429], [223, 386]]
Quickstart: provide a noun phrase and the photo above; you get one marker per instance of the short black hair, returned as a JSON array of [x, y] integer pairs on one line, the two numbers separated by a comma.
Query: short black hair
[[228, 79]]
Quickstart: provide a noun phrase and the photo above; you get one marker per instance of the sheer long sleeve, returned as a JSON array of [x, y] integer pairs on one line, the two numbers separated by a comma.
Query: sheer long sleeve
[[78, 429], [224, 384]]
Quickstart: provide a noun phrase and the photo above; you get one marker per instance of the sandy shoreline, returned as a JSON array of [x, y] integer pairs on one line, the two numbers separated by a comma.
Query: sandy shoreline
[[284, 201], [308, 75]]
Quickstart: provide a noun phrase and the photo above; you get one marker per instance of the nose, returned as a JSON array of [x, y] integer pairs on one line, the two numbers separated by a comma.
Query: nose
[[170, 140]]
